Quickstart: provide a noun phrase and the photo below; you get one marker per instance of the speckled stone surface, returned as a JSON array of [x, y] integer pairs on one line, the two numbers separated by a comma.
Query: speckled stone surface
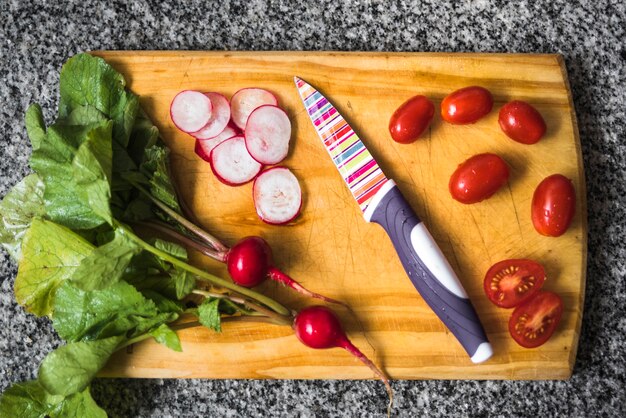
[[35, 39]]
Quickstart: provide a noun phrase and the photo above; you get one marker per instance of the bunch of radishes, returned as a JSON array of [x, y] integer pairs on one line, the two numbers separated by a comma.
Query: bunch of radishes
[[240, 137]]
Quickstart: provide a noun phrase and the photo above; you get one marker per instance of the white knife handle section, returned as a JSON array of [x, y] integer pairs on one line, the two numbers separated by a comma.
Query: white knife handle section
[[428, 269]]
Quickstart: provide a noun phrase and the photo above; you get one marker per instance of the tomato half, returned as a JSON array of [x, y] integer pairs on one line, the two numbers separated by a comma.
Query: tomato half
[[553, 205], [521, 122], [466, 105], [478, 178], [411, 119], [534, 321], [511, 282]]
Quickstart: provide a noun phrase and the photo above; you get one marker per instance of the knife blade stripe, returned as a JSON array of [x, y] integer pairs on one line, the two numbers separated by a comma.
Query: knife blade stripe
[[354, 162]]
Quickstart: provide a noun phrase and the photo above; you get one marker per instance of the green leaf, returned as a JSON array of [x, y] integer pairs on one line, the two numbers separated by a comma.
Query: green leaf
[[79, 405], [89, 81], [84, 115], [162, 302], [171, 248], [91, 169], [106, 264], [35, 125], [166, 336], [50, 254], [143, 136], [185, 282], [156, 168], [28, 400], [53, 161], [209, 314], [116, 310], [23, 202], [70, 368]]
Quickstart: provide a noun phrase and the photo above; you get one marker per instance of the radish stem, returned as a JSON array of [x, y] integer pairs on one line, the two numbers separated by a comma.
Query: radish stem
[[280, 319], [201, 233], [184, 240], [283, 278], [203, 275]]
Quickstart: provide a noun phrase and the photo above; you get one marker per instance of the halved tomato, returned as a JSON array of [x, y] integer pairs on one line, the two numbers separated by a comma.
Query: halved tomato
[[511, 282], [534, 321]]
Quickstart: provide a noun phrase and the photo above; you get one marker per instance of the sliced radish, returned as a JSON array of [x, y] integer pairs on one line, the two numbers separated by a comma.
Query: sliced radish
[[219, 117], [268, 133], [232, 164], [190, 110], [277, 196], [205, 146], [246, 100]]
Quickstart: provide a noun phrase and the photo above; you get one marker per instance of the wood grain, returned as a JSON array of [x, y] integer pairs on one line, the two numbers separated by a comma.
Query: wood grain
[[332, 250]]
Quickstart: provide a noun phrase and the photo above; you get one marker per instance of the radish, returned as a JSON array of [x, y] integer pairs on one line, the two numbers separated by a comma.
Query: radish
[[318, 327], [190, 110], [219, 117], [268, 133], [249, 263], [232, 164], [277, 196], [246, 100], [205, 146]]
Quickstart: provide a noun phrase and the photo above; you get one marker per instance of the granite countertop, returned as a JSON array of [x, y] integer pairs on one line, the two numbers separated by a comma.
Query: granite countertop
[[36, 38]]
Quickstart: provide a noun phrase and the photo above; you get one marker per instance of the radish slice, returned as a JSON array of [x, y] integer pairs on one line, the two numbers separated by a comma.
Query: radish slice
[[205, 146], [219, 117], [246, 100], [190, 110], [267, 133], [232, 164], [277, 196]]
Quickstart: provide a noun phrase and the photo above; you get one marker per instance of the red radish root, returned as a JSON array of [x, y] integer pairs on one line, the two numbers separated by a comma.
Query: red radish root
[[219, 117], [249, 263], [190, 110], [318, 327], [277, 196], [232, 164], [245, 101], [268, 132]]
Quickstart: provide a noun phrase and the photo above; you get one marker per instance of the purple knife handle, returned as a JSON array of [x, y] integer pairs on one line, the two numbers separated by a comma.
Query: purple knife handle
[[445, 295]]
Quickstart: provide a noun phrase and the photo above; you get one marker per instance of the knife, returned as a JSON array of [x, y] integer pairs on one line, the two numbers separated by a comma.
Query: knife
[[382, 202]]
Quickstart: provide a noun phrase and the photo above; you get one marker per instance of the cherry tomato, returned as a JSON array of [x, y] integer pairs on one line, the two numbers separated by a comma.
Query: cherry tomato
[[535, 320], [411, 119], [478, 178], [521, 122], [511, 282], [553, 205], [466, 105]]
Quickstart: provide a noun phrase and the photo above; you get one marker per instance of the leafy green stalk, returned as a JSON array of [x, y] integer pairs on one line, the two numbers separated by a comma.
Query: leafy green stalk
[[203, 275]]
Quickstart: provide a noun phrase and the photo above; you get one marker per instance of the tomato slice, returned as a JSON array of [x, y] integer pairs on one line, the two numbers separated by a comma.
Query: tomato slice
[[534, 321], [511, 282]]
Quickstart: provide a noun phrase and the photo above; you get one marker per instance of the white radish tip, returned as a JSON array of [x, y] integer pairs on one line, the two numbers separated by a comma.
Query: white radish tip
[[268, 133], [277, 196], [190, 110], [231, 163]]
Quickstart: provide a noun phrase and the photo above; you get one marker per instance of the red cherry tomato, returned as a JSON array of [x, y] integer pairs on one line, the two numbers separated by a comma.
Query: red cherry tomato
[[553, 205], [535, 320], [478, 178], [411, 119], [511, 282], [466, 105], [521, 122]]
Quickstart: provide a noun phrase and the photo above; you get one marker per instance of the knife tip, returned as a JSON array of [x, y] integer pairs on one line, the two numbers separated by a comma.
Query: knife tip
[[296, 79]]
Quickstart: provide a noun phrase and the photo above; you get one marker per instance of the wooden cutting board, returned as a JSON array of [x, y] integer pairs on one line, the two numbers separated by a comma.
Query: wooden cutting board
[[332, 250]]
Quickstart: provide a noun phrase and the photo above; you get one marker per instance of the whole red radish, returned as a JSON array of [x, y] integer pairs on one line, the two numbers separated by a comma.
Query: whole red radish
[[318, 327], [249, 263]]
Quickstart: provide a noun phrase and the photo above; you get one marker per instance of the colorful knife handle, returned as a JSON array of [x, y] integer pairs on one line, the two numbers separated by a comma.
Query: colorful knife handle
[[428, 269]]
